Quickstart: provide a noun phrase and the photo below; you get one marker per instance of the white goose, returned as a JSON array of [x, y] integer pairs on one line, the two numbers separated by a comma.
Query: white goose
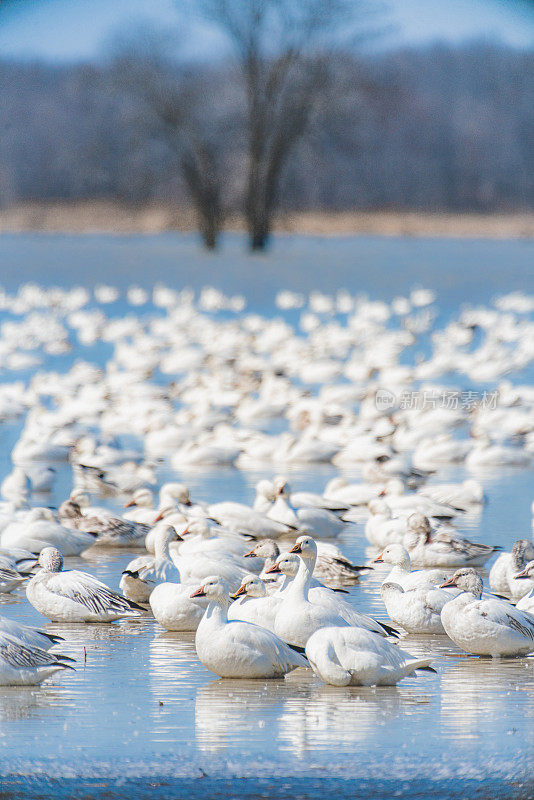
[[508, 565], [416, 610], [174, 608], [74, 596], [440, 548], [236, 649], [252, 604], [490, 627], [381, 528], [143, 574], [298, 617], [398, 556], [22, 664], [356, 657], [39, 529], [109, 530], [317, 521]]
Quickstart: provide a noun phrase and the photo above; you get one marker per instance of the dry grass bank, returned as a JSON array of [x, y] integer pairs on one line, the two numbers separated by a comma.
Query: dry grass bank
[[112, 217]]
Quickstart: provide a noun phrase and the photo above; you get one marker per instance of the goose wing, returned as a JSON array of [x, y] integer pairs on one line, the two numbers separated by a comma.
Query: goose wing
[[502, 613], [114, 528], [89, 592], [22, 656]]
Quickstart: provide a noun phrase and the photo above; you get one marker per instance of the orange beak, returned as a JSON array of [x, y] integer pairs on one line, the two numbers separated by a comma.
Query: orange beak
[[273, 570], [296, 548], [382, 493], [449, 582], [240, 591], [252, 554], [378, 559], [130, 504], [198, 593], [159, 517]]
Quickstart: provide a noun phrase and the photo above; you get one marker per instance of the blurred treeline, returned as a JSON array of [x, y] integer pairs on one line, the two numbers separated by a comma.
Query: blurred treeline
[[440, 128]]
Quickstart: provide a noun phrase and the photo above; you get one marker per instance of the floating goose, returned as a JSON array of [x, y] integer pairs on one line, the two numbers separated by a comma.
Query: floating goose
[[490, 627], [381, 529], [236, 649], [74, 596], [356, 657], [462, 496], [318, 521], [22, 664]]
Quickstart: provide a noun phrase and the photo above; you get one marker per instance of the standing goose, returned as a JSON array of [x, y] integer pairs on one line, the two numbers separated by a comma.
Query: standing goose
[[356, 657], [236, 649], [74, 596], [490, 627], [22, 664]]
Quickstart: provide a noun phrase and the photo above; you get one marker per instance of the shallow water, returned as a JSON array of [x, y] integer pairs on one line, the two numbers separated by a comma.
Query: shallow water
[[140, 704]]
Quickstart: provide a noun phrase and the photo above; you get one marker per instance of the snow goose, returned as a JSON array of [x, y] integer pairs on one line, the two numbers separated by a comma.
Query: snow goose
[[356, 657], [398, 556], [110, 531], [10, 577], [174, 608], [353, 494], [236, 649], [403, 504], [441, 548], [22, 664], [145, 572], [416, 610], [140, 507], [298, 616], [252, 604], [482, 627], [381, 528], [74, 596], [38, 529], [317, 521], [461, 496], [239, 518], [508, 564], [485, 454]]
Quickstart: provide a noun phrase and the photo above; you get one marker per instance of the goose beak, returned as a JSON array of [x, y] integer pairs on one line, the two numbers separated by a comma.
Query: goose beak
[[252, 554], [522, 574], [129, 504], [449, 582], [242, 590], [274, 570], [297, 548], [382, 493], [160, 516], [378, 559], [198, 593]]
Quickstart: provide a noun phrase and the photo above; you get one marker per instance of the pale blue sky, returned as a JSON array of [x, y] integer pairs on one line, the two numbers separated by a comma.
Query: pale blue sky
[[80, 29]]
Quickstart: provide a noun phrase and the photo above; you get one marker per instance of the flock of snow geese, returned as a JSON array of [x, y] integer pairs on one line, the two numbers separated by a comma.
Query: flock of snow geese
[[369, 387]]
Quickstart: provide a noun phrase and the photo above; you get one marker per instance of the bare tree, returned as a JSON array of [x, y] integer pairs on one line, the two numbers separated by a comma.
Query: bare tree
[[183, 107], [283, 49]]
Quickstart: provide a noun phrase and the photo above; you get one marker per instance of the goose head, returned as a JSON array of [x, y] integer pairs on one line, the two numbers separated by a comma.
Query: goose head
[[264, 549], [69, 510], [394, 554], [214, 588], [286, 564], [141, 498], [80, 497], [522, 551], [379, 508], [172, 493], [281, 487], [468, 580], [305, 546], [251, 586], [265, 489], [527, 571], [50, 559], [418, 528]]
